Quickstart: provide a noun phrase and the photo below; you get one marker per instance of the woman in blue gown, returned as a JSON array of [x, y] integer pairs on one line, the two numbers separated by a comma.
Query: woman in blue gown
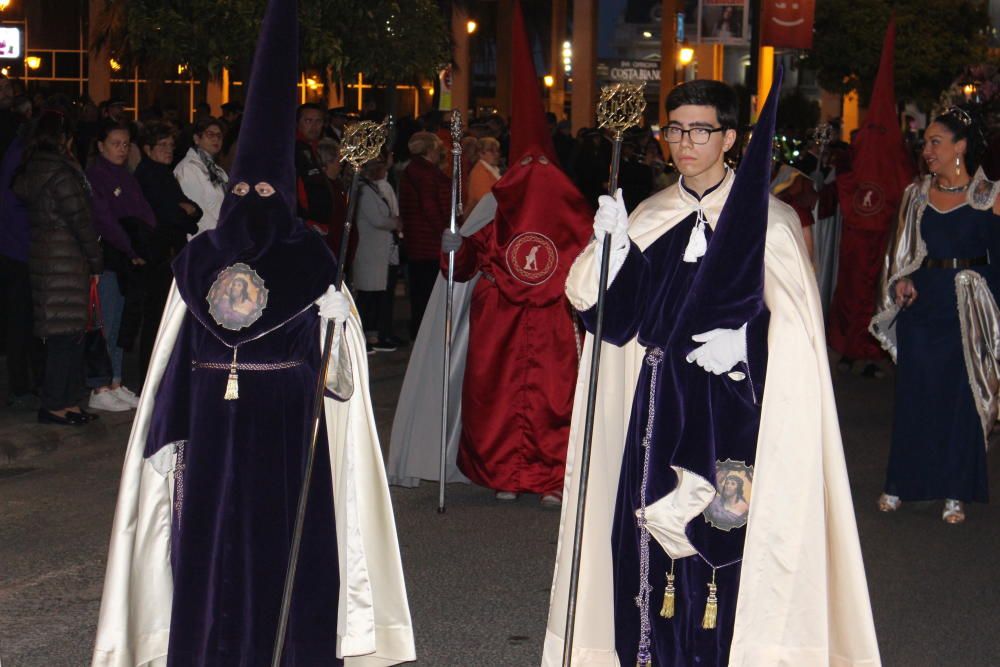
[[940, 277]]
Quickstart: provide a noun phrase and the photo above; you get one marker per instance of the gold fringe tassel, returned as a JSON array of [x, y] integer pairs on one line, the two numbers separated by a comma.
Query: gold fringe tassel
[[233, 383], [669, 595], [711, 606]]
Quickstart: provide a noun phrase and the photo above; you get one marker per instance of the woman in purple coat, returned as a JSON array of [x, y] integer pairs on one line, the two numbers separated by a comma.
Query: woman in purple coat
[[124, 221]]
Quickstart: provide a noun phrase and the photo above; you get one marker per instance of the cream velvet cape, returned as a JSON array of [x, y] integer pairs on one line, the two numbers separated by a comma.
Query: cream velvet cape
[[373, 625], [803, 598]]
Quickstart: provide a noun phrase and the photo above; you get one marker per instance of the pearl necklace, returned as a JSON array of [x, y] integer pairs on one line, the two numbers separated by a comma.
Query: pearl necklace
[[950, 188]]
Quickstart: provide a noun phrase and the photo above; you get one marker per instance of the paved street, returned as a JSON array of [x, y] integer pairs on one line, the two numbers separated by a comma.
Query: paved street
[[478, 576]]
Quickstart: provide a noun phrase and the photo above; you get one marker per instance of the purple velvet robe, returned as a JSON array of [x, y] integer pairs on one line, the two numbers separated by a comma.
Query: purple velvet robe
[[242, 460], [700, 419]]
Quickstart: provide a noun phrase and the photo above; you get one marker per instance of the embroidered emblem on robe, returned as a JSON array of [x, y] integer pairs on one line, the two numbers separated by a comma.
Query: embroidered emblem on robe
[[733, 486], [868, 199], [532, 258], [237, 298]]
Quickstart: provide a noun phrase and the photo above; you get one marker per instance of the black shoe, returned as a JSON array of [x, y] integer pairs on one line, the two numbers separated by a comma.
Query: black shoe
[[83, 416], [383, 346], [46, 417]]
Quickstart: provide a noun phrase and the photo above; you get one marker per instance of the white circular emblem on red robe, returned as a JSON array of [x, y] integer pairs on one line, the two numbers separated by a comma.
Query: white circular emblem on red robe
[[532, 258], [868, 199]]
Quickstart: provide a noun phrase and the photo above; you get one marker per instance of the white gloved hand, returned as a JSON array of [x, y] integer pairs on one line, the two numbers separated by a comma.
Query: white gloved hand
[[722, 349], [612, 218], [334, 305]]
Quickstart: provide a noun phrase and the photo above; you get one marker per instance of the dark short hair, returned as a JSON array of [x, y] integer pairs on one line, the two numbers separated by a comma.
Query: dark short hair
[[705, 93], [153, 133], [306, 107], [207, 122], [108, 126], [963, 124]]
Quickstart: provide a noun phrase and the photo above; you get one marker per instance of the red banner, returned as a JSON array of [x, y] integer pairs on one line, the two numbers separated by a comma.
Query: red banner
[[787, 23]]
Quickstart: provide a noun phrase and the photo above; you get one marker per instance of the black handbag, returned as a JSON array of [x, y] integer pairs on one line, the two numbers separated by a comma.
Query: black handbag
[[97, 361]]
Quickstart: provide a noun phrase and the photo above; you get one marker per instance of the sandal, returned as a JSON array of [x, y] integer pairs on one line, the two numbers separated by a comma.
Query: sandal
[[888, 503], [954, 511]]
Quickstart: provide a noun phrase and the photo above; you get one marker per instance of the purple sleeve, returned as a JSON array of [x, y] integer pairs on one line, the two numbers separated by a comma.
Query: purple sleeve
[[107, 225], [625, 302]]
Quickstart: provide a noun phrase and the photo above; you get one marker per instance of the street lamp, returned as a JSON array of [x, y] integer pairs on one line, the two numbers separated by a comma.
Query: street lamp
[[685, 56], [471, 26], [33, 62], [115, 65], [567, 56], [549, 80]]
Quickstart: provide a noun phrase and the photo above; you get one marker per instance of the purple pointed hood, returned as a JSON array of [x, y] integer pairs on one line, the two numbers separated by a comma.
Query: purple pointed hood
[[266, 148], [262, 232]]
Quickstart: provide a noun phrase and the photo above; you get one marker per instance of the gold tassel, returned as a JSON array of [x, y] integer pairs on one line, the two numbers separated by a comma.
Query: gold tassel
[[233, 384], [667, 610], [711, 607]]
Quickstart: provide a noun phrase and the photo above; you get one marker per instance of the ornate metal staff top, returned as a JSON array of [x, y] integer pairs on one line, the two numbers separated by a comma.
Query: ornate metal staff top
[[456, 150], [363, 142], [620, 107]]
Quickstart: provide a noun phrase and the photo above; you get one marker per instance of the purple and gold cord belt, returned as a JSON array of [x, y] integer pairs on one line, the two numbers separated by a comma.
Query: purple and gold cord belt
[[644, 657]]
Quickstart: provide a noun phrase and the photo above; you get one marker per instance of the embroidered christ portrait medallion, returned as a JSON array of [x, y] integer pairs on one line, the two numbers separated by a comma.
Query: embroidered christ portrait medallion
[[237, 298], [532, 258], [731, 505]]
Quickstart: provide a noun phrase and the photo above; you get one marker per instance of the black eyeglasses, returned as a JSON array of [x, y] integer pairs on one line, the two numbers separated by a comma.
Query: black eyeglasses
[[699, 135]]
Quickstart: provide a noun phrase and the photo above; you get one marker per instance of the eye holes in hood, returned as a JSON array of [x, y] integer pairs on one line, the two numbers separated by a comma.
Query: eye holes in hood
[[242, 189]]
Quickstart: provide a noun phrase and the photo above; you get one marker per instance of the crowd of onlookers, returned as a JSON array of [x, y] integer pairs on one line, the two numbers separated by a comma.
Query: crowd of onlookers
[[95, 204]]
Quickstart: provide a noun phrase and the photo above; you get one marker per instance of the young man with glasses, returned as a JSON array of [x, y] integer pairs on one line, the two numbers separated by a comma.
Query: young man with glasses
[[719, 528]]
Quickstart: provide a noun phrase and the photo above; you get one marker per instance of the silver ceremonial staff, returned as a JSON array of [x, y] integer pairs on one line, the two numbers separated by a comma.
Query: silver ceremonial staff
[[619, 108], [362, 143], [456, 210]]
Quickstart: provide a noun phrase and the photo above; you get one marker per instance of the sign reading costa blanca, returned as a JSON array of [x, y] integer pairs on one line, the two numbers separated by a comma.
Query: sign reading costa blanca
[[629, 71]]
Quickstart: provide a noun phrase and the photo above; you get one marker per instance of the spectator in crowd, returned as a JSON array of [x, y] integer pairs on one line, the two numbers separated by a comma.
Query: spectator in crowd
[[64, 257], [86, 130], [315, 200], [562, 139], [113, 109], [124, 221], [177, 218], [376, 222], [202, 179], [24, 353], [485, 173], [328, 151], [336, 120], [232, 112], [634, 176], [9, 119], [425, 210]]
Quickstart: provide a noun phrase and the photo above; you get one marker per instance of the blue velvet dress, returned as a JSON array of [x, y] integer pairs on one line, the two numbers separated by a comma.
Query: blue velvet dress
[[937, 441], [700, 420]]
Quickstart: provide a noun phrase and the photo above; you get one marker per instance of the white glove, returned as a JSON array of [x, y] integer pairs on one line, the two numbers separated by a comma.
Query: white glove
[[612, 218], [722, 349], [334, 305], [450, 241]]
